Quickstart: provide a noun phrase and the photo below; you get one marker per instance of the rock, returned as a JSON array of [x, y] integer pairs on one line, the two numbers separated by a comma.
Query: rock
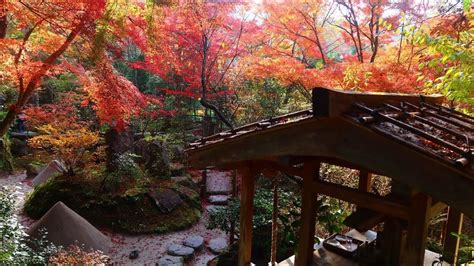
[[154, 155], [177, 169], [213, 208], [181, 251], [217, 245], [165, 199], [178, 153], [179, 179], [218, 199], [134, 254], [195, 242], [170, 261], [18, 147], [32, 169], [117, 141]]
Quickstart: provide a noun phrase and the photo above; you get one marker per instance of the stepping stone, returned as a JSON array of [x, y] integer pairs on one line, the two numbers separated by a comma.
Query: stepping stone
[[181, 251], [195, 242], [170, 261], [217, 245], [213, 208], [218, 199]]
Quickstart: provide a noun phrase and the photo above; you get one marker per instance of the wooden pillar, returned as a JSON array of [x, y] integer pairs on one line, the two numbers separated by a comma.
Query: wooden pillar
[[273, 252], [451, 243], [234, 194], [417, 230], [392, 242], [365, 181], [304, 255], [246, 213]]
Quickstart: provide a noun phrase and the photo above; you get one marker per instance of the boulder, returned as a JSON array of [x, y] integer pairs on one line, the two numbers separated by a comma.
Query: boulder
[[32, 169], [218, 199], [177, 169], [196, 242], [179, 155], [154, 155], [165, 199], [18, 147], [218, 245], [180, 179], [181, 251], [171, 261]]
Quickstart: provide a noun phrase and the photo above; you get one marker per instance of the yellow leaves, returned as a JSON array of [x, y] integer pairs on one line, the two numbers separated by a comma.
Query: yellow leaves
[[65, 143]]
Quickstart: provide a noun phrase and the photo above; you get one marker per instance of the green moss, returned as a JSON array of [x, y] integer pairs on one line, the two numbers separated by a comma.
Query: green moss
[[131, 212]]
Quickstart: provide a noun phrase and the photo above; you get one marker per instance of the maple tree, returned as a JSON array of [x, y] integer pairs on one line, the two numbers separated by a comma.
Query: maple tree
[[195, 47], [44, 27], [56, 36]]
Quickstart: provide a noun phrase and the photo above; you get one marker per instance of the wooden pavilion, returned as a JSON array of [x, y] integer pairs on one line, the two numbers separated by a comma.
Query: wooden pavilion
[[425, 148]]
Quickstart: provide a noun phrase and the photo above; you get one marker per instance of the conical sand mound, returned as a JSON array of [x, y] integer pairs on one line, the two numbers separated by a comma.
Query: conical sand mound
[[65, 227], [52, 168]]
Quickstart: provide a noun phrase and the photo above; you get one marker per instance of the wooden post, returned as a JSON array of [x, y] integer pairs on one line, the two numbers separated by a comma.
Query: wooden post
[[273, 252], [234, 194], [365, 181], [304, 255], [392, 241], [417, 230], [246, 213], [451, 243]]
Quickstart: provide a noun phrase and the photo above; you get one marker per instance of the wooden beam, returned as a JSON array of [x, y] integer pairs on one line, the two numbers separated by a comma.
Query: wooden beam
[[330, 102], [363, 219], [304, 254], [451, 243], [414, 253], [367, 200], [347, 140], [266, 166], [436, 208], [246, 213], [365, 181]]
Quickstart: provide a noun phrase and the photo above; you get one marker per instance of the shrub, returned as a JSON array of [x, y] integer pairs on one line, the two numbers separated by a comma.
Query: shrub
[[15, 245]]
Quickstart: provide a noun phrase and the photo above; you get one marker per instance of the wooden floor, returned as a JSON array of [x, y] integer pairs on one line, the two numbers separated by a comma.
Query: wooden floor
[[326, 257]]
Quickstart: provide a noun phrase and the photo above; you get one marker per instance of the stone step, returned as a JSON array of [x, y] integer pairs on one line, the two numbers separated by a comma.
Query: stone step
[[219, 199], [196, 242], [181, 251], [217, 245], [170, 261]]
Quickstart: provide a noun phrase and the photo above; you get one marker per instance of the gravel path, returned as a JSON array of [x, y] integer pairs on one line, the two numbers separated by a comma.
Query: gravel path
[[151, 247]]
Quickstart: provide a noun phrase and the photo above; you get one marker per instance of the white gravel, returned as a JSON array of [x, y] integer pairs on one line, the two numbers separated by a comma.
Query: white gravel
[[152, 246]]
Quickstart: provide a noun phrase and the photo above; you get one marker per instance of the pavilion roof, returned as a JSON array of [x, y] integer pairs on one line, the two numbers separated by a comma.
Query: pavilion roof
[[362, 129]]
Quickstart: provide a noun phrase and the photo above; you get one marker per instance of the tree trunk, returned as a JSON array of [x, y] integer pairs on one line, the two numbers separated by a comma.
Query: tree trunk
[[7, 121], [3, 19], [35, 80]]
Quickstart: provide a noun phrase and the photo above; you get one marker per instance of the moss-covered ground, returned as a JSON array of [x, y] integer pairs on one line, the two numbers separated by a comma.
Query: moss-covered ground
[[128, 209]]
